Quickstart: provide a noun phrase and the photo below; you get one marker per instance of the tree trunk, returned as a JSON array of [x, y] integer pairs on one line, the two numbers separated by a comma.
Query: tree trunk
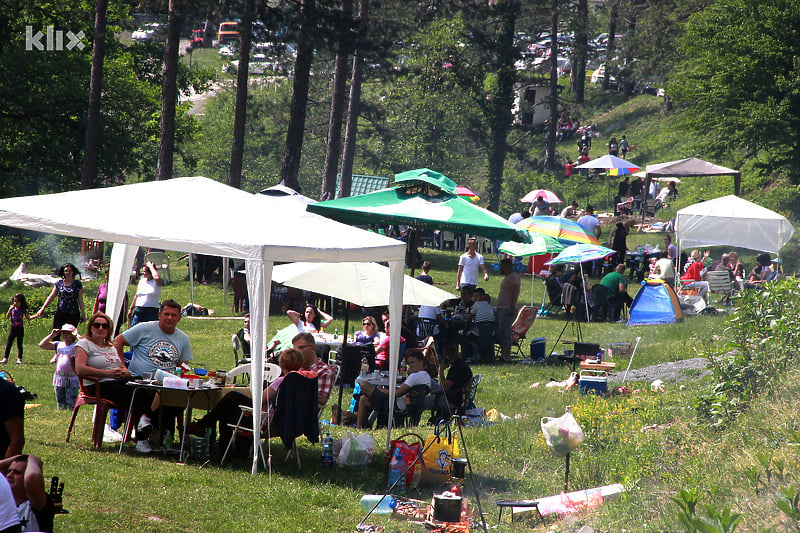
[[612, 33], [502, 101], [343, 47], [240, 113], [297, 112], [578, 80], [354, 104], [92, 149], [552, 123], [169, 93]]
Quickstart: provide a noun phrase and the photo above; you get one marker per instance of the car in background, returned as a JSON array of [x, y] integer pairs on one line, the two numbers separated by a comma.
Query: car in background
[[228, 32], [153, 31]]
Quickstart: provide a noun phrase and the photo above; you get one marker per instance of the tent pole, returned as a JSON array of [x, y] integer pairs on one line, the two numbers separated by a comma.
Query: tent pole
[[191, 277]]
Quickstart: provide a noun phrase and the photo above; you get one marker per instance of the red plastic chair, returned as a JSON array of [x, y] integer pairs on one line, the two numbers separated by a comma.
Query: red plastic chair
[[102, 407]]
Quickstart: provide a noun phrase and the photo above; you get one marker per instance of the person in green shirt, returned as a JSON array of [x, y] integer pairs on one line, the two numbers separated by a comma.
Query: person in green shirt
[[617, 286]]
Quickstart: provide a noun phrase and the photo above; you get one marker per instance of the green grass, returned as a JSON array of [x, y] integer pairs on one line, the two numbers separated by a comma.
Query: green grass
[[650, 442]]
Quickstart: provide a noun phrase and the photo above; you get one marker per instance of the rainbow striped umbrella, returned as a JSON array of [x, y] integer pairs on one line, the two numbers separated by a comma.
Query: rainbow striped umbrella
[[563, 229], [467, 194]]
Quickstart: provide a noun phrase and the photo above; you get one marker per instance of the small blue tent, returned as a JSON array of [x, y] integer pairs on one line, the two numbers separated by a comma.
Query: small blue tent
[[655, 303]]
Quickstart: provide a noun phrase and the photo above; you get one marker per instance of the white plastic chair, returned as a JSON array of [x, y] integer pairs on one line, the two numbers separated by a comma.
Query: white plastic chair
[[271, 373]]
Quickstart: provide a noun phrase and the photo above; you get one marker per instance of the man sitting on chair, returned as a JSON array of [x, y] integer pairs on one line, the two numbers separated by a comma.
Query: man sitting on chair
[[617, 286], [305, 344], [377, 398]]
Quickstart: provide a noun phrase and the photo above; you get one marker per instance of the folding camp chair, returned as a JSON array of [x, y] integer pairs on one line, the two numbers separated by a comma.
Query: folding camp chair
[[719, 282], [520, 327]]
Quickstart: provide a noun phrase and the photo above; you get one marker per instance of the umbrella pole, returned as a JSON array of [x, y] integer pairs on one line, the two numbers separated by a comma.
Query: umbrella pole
[[343, 360], [414, 248], [585, 299]]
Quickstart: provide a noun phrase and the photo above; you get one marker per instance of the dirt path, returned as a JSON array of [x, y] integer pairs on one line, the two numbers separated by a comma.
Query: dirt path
[[670, 371]]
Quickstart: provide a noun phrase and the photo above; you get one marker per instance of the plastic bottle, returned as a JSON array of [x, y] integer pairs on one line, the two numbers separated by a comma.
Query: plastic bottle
[[364, 367], [403, 372], [386, 505], [336, 333], [327, 450]]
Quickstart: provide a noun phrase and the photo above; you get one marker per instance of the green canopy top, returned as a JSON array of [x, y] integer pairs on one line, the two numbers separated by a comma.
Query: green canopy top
[[422, 210], [426, 175]]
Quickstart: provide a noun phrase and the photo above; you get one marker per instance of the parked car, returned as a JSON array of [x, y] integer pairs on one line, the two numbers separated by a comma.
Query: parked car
[[153, 31], [228, 32]]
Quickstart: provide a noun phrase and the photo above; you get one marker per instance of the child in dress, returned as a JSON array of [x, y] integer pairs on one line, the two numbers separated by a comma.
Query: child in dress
[[16, 313], [65, 381]]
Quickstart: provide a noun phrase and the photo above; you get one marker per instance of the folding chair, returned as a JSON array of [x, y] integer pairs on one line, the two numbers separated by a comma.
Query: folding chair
[[519, 328], [719, 282], [271, 372]]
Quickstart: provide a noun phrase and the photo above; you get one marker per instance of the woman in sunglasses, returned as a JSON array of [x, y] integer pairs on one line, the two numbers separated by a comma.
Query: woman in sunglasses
[[96, 358], [369, 334]]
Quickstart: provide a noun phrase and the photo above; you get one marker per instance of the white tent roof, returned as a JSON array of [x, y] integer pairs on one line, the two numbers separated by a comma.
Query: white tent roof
[[200, 215], [732, 221], [691, 166]]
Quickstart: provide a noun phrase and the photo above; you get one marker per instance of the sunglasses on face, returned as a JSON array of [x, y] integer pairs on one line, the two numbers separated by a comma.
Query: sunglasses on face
[[100, 325]]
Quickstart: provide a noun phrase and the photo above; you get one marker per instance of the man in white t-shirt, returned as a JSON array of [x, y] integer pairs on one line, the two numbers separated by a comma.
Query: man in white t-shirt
[[469, 266], [377, 398]]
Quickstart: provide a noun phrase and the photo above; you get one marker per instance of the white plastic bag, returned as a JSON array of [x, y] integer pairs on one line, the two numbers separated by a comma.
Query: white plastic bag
[[356, 451], [563, 434]]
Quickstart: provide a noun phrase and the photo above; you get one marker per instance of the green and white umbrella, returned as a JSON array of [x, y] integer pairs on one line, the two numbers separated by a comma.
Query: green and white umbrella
[[422, 199]]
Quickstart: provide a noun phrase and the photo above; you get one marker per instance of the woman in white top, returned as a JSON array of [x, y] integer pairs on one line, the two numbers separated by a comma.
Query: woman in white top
[[145, 305], [96, 357], [312, 321]]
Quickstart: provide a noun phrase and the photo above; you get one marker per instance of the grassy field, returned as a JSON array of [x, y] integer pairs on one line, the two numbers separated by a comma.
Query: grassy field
[[651, 442]]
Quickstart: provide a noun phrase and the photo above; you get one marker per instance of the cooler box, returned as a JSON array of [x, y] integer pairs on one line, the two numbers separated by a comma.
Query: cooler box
[[593, 382], [538, 348]]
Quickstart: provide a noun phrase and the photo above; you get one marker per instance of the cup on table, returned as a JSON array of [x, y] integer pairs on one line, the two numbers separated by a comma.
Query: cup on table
[[197, 383], [147, 376]]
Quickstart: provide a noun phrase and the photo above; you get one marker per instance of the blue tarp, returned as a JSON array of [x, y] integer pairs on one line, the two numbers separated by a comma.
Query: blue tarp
[[655, 303]]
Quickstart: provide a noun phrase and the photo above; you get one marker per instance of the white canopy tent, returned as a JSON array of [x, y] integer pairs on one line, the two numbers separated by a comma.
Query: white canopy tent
[[732, 221], [200, 215]]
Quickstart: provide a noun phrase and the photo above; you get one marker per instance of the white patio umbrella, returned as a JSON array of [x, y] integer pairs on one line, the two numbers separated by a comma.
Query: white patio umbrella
[[364, 284]]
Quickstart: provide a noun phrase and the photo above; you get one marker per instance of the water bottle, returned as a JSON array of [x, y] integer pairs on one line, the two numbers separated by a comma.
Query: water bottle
[[386, 505], [402, 373], [327, 450], [336, 333], [364, 367]]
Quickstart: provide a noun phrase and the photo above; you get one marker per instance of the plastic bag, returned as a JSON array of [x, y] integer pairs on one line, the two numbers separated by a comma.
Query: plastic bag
[[356, 451], [563, 434], [439, 451], [403, 456]]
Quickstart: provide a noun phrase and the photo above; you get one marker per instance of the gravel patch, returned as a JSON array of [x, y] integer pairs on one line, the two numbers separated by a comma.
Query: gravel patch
[[694, 368]]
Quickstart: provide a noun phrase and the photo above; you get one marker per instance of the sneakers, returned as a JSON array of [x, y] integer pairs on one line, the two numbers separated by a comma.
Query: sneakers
[[143, 446], [4, 361], [144, 424], [111, 436], [19, 361]]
